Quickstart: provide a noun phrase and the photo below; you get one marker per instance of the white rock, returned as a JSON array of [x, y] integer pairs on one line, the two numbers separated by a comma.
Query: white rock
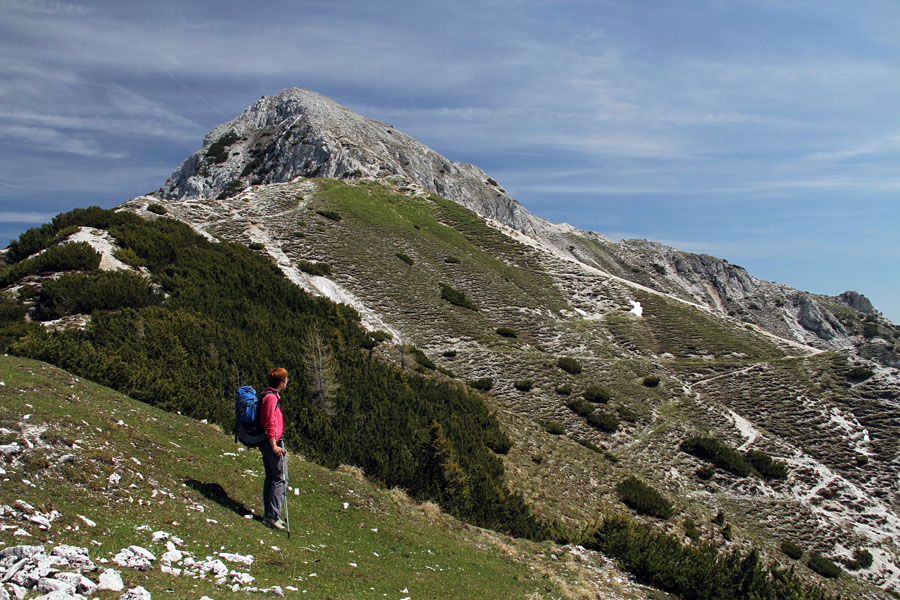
[[47, 585], [114, 479], [22, 551], [76, 557], [10, 449], [136, 593], [237, 558], [81, 583], [39, 520], [242, 578], [111, 580], [171, 556], [159, 536], [58, 595], [86, 521]]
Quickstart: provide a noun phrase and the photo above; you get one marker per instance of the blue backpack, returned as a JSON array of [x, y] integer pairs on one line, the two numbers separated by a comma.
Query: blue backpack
[[247, 426]]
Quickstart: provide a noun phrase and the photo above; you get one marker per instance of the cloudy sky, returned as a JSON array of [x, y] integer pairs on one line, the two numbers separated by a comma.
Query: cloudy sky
[[763, 132]]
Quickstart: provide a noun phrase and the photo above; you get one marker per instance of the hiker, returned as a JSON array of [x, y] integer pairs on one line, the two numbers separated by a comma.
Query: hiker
[[272, 447]]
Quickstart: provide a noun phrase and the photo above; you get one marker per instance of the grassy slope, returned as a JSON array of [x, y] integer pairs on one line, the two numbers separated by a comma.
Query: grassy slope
[[189, 479]]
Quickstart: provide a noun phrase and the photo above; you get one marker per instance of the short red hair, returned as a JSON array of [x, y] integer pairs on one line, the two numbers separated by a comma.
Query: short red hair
[[276, 376]]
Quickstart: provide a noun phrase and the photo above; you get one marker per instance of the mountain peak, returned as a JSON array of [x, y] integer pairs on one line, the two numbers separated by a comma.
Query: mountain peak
[[300, 133]]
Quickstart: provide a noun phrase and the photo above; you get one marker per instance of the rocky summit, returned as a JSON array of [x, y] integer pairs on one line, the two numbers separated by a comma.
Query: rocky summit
[[630, 377]]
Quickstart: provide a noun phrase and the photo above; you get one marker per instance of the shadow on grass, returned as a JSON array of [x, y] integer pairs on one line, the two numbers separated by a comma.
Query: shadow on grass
[[216, 493]]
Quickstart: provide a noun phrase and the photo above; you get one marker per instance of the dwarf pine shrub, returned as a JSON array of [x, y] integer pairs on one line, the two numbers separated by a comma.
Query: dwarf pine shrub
[[318, 269], [859, 372], [603, 421], [507, 332], [569, 365], [791, 549], [524, 385], [644, 499], [597, 394], [862, 559], [157, 209], [552, 427], [483, 384], [564, 389], [330, 215], [405, 258], [580, 407], [823, 566], [651, 381], [456, 298]]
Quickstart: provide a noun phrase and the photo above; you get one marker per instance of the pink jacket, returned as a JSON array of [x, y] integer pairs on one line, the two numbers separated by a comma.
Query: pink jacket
[[270, 414]]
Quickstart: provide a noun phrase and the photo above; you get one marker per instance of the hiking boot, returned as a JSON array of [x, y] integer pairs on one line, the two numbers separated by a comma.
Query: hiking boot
[[276, 524]]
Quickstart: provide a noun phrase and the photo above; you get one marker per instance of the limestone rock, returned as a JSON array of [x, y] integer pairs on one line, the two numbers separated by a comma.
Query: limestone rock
[[111, 580], [136, 593]]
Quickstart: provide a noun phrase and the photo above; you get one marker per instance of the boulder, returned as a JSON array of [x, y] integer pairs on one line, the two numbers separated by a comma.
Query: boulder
[[111, 580], [136, 593]]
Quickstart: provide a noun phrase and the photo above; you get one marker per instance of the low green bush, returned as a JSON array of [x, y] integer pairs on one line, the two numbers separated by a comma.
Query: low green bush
[[256, 246], [792, 550], [580, 407], [75, 256], [456, 298], [719, 454], [524, 385], [453, 260], [603, 421], [483, 384], [644, 499], [318, 269], [823, 566], [75, 293], [330, 215], [597, 394], [157, 208], [218, 150], [564, 389], [705, 473], [590, 445], [552, 427], [651, 381], [862, 559], [569, 365], [626, 414], [404, 258], [449, 353], [507, 332], [765, 465], [860, 373], [421, 358]]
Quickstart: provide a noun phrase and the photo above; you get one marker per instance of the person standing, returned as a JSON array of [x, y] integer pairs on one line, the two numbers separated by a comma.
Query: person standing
[[272, 447]]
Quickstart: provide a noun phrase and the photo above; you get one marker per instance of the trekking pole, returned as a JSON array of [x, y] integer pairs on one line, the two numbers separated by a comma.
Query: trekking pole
[[287, 516]]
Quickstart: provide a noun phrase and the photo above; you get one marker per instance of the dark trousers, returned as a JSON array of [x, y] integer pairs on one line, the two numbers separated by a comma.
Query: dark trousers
[[273, 488]]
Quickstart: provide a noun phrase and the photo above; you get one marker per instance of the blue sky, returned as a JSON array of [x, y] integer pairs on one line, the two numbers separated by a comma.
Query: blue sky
[[766, 133]]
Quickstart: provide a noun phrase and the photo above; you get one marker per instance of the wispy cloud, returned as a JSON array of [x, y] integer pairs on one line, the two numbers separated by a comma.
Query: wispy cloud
[[24, 217]]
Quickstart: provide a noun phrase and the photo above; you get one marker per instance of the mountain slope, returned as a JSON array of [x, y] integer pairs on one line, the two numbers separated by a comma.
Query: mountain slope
[[110, 473], [299, 133], [713, 371]]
